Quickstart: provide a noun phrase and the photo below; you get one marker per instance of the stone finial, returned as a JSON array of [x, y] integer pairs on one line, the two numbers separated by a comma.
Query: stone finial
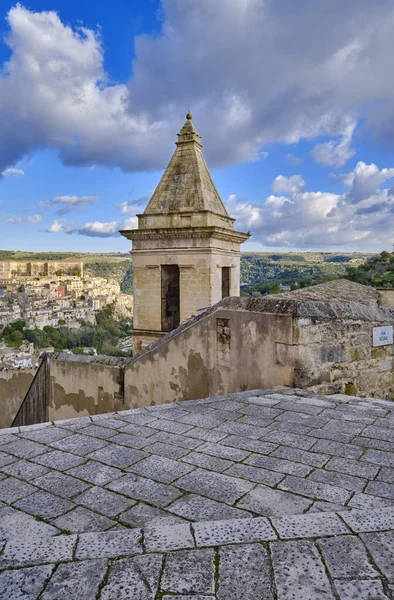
[[189, 116]]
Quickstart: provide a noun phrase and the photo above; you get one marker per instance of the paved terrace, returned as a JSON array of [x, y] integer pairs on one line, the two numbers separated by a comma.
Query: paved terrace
[[263, 495]]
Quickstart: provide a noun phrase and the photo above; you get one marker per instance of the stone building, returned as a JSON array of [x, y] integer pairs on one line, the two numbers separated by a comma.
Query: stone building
[[186, 253], [39, 268]]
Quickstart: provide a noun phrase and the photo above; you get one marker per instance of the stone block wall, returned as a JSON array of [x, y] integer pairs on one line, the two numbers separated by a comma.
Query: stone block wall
[[337, 356]]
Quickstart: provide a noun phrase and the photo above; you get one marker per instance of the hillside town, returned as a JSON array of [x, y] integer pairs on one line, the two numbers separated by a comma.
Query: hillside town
[[51, 294]]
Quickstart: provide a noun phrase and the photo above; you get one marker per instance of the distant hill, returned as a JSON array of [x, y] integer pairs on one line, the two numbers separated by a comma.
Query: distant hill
[[257, 268]]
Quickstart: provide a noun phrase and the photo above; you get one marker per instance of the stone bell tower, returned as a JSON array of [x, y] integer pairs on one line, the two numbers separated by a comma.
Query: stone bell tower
[[186, 254]]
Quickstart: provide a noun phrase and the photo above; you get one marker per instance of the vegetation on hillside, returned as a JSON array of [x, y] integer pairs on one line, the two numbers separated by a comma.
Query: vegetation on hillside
[[377, 272], [104, 336]]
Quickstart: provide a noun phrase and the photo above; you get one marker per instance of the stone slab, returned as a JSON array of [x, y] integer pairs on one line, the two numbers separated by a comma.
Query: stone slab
[[255, 474], [199, 508], [299, 572], [79, 444], [161, 469], [59, 460], [352, 467], [109, 544], [363, 521], [315, 490], [25, 470], [144, 515], [190, 572], [82, 520], [133, 578], [24, 584], [277, 464], [44, 505], [314, 459], [205, 461], [381, 547], [30, 551], [346, 557], [17, 524], [76, 581], [234, 531], [12, 489], [214, 485], [95, 472], [340, 480], [61, 485], [267, 502], [139, 488], [117, 456], [162, 538], [244, 572], [309, 525], [359, 589], [104, 501]]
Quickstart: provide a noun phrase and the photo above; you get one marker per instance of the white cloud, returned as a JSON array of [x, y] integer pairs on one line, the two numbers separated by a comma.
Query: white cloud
[[333, 153], [69, 203], [253, 72], [10, 171], [288, 185], [94, 228], [15, 220], [362, 216], [97, 229], [58, 226], [130, 206], [131, 223]]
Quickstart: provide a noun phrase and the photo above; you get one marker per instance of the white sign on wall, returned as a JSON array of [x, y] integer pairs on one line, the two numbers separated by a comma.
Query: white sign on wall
[[383, 336]]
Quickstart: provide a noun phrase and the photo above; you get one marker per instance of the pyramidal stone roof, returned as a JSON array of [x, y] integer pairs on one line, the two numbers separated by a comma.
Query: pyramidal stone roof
[[186, 185]]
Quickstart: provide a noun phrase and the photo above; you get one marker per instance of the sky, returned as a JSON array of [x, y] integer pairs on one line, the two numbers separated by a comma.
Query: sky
[[294, 102]]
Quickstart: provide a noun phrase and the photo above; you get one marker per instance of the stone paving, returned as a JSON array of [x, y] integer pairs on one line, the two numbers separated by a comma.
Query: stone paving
[[270, 494]]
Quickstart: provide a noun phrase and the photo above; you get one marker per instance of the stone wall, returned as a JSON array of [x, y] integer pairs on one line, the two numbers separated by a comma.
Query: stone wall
[[82, 385], [14, 384], [221, 352], [237, 345], [386, 297], [336, 355]]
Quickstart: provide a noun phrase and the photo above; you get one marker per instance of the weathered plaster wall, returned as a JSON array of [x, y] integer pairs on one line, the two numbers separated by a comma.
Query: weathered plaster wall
[[14, 384], [227, 351], [84, 388]]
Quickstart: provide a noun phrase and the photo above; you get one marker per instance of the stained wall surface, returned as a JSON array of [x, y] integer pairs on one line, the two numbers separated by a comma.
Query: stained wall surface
[[14, 385]]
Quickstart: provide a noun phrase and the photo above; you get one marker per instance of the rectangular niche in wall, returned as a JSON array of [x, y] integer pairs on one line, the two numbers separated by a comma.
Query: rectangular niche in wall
[[225, 282], [223, 341], [170, 300]]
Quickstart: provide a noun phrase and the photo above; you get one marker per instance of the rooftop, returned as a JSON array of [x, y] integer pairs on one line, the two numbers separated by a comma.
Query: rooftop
[[207, 500], [186, 185]]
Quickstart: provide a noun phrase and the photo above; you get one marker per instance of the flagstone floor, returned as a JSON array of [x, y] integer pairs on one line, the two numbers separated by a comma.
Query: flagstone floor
[[263, 495]]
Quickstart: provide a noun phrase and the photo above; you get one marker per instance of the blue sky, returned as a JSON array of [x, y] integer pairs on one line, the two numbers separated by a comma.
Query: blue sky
[[294, 106]]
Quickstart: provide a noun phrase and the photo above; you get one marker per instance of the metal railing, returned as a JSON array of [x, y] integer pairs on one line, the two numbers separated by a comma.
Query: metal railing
[[35, 406]]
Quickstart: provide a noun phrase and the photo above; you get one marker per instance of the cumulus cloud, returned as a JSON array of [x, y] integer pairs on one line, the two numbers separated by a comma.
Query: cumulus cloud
[[288, 185], [11, 171], [59, 226], [362, 215], [252, 71], [333, 153], [69, 203]]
